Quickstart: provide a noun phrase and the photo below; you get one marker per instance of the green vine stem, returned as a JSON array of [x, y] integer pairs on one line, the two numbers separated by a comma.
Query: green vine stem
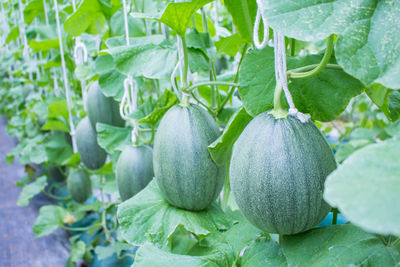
[[320, 67], [334, 216], [278, 111], [185, 97], [201, 103], [78, 229], [311, 67], [54, 196], [192, 87], [232, 89]]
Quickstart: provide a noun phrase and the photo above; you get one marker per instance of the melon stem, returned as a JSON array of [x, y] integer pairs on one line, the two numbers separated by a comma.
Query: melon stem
[[278, 111]]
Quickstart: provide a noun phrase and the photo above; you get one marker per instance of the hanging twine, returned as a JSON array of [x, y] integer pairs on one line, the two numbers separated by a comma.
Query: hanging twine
[[64, 70], [281, 75], [129, 103], [259, 16]]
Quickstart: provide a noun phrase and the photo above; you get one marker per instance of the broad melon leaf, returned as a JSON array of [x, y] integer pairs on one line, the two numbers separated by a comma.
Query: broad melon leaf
[[243, 16], [43, 45], [88, 18], [337, 245], [386, 99], [176, 15], [323, 96], [112, 138], [144, 60], [31, 190], [149, 217], [162, 105], [263, 252], [221, 149], [49, 219], [150, 255], [371, 171], [229, 45], [368, 33], [105, 252], [58, 150]]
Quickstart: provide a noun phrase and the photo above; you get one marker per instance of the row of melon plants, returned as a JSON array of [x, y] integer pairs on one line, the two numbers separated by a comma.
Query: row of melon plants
[[208, 133]]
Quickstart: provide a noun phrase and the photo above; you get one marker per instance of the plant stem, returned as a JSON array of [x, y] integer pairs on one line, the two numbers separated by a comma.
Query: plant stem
[[185, 98], [190, 89], [232, 89], [227, 190], [321, 66], [292, 47], [201, 103], [311, 67], [334, 216], [54, 196], [77, 229]]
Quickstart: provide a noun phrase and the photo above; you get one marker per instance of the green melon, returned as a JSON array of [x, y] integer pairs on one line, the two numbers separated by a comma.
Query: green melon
[[79, 185], [102, 109], [278, 169], [134, 170], [184, 170], [92, 155], [57, 173]]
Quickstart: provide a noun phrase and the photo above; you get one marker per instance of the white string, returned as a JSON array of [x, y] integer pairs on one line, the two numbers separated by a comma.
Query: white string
[[45, 12], [129, 103], [73, 5], [259, 15], [126, 22], [81, 57], [25, 52], [173, 75], [281, 75], [64, 69]]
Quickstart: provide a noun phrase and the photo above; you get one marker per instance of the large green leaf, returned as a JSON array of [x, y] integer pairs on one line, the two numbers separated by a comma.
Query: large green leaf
[[33, 9], [135, 26], [337, 245], [366, 188], [221, 148], [150, 255], [144, 60], [49, 219], [386, 99], [149, 217], [88, 18], [31, 190], [58, 150], [368, 33], [243, 15], [112, 138], [176, 15], [163, 104], [323, 96], [263, 252]]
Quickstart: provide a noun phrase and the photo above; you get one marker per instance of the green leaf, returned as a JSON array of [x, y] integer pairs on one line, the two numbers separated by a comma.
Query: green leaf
[[88, 18], [31, 190], [56, 125], [144, 60], [44, 45], [386, 99], [229, 45], [112, 138], [135, 26], [108, 251], [150, 255], [163, 104], [368, 33], [33, 9], [49, 219], [58, 150], [149, 217], [318, 95], [338, 245], [365, 188], [263, 252], [243, 14], [112, 84], [77, 250], [221, 149], [177, 15]]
